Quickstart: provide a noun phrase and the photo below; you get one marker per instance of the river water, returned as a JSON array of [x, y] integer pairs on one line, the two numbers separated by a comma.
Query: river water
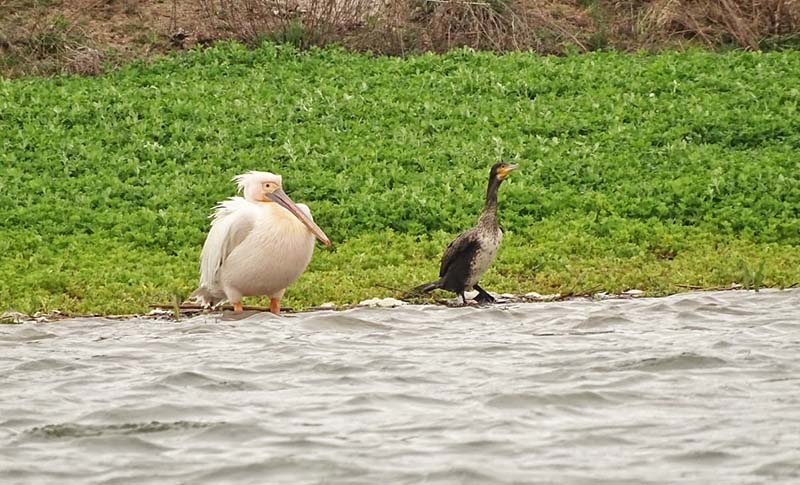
[[693, 388]]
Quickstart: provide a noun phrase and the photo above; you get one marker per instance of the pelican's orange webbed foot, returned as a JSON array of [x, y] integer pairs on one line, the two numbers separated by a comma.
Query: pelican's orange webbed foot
[[237, 307], [275, 306]]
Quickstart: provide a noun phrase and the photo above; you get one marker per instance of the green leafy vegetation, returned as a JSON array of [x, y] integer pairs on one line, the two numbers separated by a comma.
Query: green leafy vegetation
[[637, 171]]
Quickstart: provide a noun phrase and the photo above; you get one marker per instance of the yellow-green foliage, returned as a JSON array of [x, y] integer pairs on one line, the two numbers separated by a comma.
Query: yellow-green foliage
[[647, 171]]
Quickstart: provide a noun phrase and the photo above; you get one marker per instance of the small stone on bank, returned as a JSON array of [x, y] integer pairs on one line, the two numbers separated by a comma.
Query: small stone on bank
[[539, 297], [13, 317], [382, 302]]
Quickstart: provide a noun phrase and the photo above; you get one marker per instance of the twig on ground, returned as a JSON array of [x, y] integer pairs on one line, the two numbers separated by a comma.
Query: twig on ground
[[391, 288], [482, 4], [199, 308], [713, 288]]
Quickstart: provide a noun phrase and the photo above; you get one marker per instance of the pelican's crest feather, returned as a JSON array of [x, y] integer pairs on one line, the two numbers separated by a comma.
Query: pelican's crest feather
[[254, 176]]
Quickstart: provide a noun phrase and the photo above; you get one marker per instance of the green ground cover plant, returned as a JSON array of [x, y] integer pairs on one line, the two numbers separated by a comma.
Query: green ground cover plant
[[658, 172]]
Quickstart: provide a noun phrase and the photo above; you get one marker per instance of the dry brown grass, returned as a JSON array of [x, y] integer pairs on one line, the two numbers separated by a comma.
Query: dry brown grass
[[82, 36], [402, 26], [547, 26], [746, 24], [44, 37]]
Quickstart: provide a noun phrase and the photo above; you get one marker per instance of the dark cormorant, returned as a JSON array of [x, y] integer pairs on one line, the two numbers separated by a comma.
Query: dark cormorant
[[472, 252]]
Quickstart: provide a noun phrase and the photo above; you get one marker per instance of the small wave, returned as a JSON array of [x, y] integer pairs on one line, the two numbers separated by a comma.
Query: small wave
[[75, 430], [483, 444], [231, 433], [703, 457], [524, 401], [136, 412], [188, 378], [341, 323], [203, 381], [118, 443], [460, 474], [199, 330], [780, 469], [280, 470], [603, 321], [26, 334], [388, 399], [686, 360], [337, 368], [591, 439], [48, 364]]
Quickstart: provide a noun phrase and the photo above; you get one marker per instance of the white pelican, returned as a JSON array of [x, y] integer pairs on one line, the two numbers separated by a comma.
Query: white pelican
[[258, 244]]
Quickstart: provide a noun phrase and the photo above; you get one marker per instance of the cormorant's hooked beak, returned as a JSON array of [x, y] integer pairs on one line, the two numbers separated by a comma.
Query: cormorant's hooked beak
[[280, 197], [504, 171]]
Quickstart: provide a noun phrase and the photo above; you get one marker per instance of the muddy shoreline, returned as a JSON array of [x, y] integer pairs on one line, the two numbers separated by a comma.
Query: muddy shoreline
[[166, 312]]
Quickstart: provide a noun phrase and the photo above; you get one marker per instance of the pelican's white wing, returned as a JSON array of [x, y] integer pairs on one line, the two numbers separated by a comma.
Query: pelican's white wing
[[233, 220], [305, 210]]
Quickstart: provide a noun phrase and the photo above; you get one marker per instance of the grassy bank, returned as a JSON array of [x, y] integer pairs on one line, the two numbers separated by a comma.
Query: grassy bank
[[637, 171]]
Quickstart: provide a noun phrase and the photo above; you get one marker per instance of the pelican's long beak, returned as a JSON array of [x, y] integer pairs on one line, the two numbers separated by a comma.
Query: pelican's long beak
[[507, 170], [280, 197]]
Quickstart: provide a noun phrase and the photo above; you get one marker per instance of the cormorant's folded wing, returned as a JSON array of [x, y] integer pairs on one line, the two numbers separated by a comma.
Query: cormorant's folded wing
[[461, 247]]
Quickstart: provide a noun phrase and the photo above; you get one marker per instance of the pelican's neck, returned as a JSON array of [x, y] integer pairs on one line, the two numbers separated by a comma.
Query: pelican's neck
[[277, 219]]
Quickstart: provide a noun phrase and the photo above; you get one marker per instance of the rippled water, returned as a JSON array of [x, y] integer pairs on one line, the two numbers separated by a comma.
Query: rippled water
[[694, 388]]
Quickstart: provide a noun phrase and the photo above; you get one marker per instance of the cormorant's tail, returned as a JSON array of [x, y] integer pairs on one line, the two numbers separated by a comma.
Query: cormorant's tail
[[424, 288]]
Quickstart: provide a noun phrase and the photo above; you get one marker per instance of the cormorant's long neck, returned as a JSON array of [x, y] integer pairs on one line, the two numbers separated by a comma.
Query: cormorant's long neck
[[489, 214]]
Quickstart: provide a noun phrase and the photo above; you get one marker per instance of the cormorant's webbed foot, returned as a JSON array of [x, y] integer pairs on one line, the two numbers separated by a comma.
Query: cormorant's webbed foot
[[483, 296]]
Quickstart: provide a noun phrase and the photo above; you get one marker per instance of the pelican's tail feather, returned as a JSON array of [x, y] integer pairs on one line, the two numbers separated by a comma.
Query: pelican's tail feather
[[206, 297], [424, 288]]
